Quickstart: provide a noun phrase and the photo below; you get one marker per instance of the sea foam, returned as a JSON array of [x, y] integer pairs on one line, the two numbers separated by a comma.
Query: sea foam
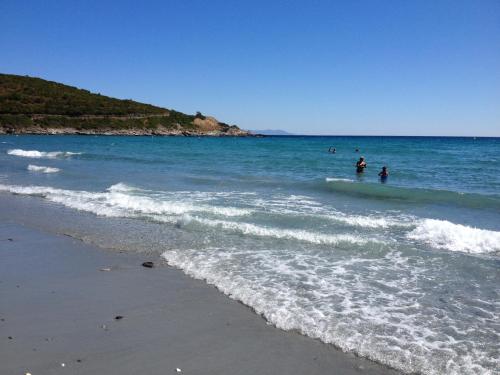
[[280, 233], [352, 302], [42, 169], [443, 234], [201, 208], [334, 179], [118, 201], [34, 154]]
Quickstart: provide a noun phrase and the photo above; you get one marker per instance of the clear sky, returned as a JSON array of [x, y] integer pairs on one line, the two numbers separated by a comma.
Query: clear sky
[[396, 67]]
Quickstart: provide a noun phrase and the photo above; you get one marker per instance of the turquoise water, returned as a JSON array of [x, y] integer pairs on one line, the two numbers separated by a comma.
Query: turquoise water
[[404, 272]]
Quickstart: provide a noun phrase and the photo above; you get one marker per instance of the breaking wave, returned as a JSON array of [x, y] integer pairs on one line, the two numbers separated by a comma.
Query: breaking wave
[[202, 209], [34, 154], [443, 234], [279, 233], [42, 169], [118, 202], [335, 179]]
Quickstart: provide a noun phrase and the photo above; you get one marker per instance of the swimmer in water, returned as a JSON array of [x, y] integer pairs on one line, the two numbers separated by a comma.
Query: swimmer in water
[[332, 150], [360, 165], [384, 173], [357, 150]]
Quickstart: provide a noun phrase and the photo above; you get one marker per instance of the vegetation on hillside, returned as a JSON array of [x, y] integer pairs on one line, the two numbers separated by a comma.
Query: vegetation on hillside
[[27, 95], [33, 102]]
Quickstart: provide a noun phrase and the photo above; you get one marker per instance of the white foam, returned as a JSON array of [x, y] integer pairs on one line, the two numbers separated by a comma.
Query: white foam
[[305, 206], [203, 208], [335, 179], [121, 187], [39, 168], [443, 234], [300, 235], [372, 221], [352, 302], [118, 201], [34, 154]]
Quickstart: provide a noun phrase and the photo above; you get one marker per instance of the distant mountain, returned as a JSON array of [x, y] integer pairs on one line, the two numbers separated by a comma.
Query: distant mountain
[[35, 106], [271, 132]]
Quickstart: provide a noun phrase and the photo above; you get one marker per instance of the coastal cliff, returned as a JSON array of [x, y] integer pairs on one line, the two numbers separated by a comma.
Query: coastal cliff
[[35, 106]]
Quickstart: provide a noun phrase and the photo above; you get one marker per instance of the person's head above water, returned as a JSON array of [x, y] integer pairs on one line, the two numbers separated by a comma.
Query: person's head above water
[[384, 172]]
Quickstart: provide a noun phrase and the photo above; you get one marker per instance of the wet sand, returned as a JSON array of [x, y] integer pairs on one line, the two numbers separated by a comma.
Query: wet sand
[[58, 310]]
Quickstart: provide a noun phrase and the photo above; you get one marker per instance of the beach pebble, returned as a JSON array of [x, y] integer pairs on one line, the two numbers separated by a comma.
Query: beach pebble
[[148, 264]]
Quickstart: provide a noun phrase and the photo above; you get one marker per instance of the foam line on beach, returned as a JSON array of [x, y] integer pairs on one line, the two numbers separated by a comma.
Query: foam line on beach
[[125, 201], [279, 233], [321, 298], [118, 203]]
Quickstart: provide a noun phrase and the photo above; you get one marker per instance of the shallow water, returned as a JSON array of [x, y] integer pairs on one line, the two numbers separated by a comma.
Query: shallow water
[[405, 273]]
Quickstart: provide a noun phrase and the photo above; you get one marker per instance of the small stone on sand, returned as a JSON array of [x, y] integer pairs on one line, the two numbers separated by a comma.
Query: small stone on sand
[[148, 264]]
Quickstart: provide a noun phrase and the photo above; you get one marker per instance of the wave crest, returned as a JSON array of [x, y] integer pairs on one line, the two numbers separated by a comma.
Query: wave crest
[[197, 208], [35, 154], [443, 234], [42, 169]]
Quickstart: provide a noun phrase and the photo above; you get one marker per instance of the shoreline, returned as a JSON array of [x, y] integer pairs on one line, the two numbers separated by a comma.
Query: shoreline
[[129, 132], [55, 301]]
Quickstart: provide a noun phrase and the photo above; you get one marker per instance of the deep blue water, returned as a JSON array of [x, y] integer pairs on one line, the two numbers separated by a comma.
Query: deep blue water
[[404, 272]]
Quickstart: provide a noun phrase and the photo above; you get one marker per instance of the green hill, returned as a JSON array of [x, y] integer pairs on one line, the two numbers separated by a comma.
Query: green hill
[[37, 106]]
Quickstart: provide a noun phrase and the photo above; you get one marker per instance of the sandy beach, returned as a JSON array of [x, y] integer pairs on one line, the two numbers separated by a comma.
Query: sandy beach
[[59, 299]]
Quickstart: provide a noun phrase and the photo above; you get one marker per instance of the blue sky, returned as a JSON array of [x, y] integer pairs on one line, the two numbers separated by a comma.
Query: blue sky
[[310, 67]]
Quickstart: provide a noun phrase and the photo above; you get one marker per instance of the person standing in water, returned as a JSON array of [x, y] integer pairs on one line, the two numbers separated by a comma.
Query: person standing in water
[[360, 165], [383, 174]]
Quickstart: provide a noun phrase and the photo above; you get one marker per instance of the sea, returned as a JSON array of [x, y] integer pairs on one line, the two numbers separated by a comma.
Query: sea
[[405, 272]]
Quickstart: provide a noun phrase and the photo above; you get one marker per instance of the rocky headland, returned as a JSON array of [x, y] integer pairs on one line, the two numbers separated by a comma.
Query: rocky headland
[[35, 106]]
